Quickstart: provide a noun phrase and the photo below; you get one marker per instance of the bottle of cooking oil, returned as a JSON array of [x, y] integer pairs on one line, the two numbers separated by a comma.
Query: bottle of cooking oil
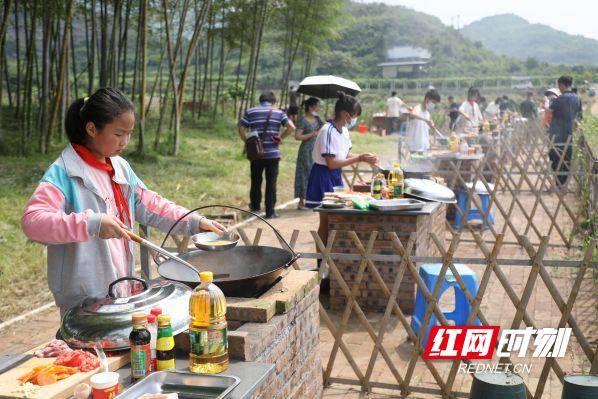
[[454, 142], [396, 180], [207, 330]]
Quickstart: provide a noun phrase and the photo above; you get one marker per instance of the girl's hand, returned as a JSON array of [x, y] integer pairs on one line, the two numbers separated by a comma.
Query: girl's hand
[[112, 227], [211, 225], [314, 133], [368, 157]]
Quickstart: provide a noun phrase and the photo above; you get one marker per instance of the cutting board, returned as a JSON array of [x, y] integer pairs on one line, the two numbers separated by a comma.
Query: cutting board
[[62, 389]]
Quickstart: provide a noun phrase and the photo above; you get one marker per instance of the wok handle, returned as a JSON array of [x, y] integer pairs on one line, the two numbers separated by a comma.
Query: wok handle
[[111, 286], [135, 237]]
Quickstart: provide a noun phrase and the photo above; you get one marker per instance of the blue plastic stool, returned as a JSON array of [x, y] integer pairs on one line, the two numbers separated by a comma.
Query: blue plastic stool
[[429, 273], [474, 213]]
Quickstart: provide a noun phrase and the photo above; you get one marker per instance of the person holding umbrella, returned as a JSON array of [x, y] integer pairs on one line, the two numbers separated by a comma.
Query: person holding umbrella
[[331, 153]]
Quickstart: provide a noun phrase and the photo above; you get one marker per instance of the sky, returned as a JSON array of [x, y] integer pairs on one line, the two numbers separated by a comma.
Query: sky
[[577, 17]]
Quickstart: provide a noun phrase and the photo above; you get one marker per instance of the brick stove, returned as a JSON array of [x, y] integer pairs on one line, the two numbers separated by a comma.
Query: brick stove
[[431, 218], [281, 327]]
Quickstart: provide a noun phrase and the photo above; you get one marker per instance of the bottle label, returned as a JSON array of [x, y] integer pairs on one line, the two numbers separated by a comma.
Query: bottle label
[[208, 342], [398, 191], [165, 343], [141, 356], [162, 365]]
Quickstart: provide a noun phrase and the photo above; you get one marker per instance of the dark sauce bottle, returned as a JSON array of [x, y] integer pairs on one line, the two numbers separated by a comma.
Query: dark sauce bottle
[[141, 355]]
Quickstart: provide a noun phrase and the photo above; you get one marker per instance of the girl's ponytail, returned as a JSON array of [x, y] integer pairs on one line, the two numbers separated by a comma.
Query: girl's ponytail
[[74, 124]]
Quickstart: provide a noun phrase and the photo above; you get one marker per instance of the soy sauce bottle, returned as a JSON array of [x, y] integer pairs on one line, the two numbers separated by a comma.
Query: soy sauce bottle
[[165, 351], [141, 355]]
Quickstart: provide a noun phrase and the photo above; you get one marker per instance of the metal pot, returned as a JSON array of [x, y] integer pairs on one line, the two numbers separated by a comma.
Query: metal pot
[[105, 321], [251, 269], [429, 190]]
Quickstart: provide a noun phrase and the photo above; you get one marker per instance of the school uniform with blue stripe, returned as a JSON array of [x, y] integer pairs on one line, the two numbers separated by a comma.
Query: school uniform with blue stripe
[[330, 142]]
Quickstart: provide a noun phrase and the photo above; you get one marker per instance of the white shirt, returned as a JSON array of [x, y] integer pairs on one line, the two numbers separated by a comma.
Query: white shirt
[[492, 110], [393, 107], [475, 116], [331, 143], [417, 131]]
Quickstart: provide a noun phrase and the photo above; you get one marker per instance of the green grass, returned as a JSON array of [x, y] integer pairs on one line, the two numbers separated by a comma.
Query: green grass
[[210, 169]]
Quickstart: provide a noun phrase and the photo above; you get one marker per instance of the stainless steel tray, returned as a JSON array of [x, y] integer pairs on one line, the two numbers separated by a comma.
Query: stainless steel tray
[[186, 385], [397, 204]]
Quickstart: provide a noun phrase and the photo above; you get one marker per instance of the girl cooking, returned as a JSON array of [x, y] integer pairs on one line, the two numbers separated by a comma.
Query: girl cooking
[[331, 153], [90, 196]]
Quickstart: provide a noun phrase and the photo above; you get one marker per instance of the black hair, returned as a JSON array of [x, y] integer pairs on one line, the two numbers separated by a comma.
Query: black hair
[[347, 103], [101, 108], [473, 92], [505, 97], [529, 94], [432, 95], [566, 81], [268, 96], [394, 93], [451, 98], [310, 102], [498, 100]]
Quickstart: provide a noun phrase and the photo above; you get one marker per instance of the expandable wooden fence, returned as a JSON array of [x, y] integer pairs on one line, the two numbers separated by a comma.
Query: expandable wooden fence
[[531, 211], [516, 167], [538, 269]]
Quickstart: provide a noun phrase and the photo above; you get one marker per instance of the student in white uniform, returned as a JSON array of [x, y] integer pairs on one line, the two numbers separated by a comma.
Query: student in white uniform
[[420, 121], [471, 117], [393, 111], [331, 153]]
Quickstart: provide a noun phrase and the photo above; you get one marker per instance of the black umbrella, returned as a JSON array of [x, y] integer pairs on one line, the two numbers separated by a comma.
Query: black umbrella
[[326, 86]]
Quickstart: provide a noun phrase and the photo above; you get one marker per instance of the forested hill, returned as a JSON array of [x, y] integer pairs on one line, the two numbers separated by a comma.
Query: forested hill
[[374, 27], [514, 36]]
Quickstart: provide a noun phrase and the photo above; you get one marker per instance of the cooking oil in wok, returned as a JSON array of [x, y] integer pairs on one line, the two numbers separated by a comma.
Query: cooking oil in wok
[[207, 330]]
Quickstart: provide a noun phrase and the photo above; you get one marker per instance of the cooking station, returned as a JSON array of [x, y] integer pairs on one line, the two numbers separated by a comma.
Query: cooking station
[[422, 222], [272, 313]]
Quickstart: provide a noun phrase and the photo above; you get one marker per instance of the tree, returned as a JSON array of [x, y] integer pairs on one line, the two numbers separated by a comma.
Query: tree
[[531, 63]]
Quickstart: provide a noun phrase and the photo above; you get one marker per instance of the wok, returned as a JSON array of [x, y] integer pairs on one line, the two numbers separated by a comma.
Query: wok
[[251, 269]]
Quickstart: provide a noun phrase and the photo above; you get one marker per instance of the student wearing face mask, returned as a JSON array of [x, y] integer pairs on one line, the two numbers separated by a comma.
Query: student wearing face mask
[[332, 152], [306, 132], [420, 121], [471, 117]]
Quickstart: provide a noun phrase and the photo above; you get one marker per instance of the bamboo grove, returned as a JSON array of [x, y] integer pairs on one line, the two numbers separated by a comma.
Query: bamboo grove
[[174, 58]]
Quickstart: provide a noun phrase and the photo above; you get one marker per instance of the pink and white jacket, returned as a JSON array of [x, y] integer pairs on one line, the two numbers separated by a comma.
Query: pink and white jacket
[[65, 213]]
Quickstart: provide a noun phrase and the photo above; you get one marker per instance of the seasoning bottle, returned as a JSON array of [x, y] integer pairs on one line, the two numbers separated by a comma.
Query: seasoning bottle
[[153, 330], [156, 312], [207, 330], [140, 347], [165, 345], [378, 184], [454, 142]]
